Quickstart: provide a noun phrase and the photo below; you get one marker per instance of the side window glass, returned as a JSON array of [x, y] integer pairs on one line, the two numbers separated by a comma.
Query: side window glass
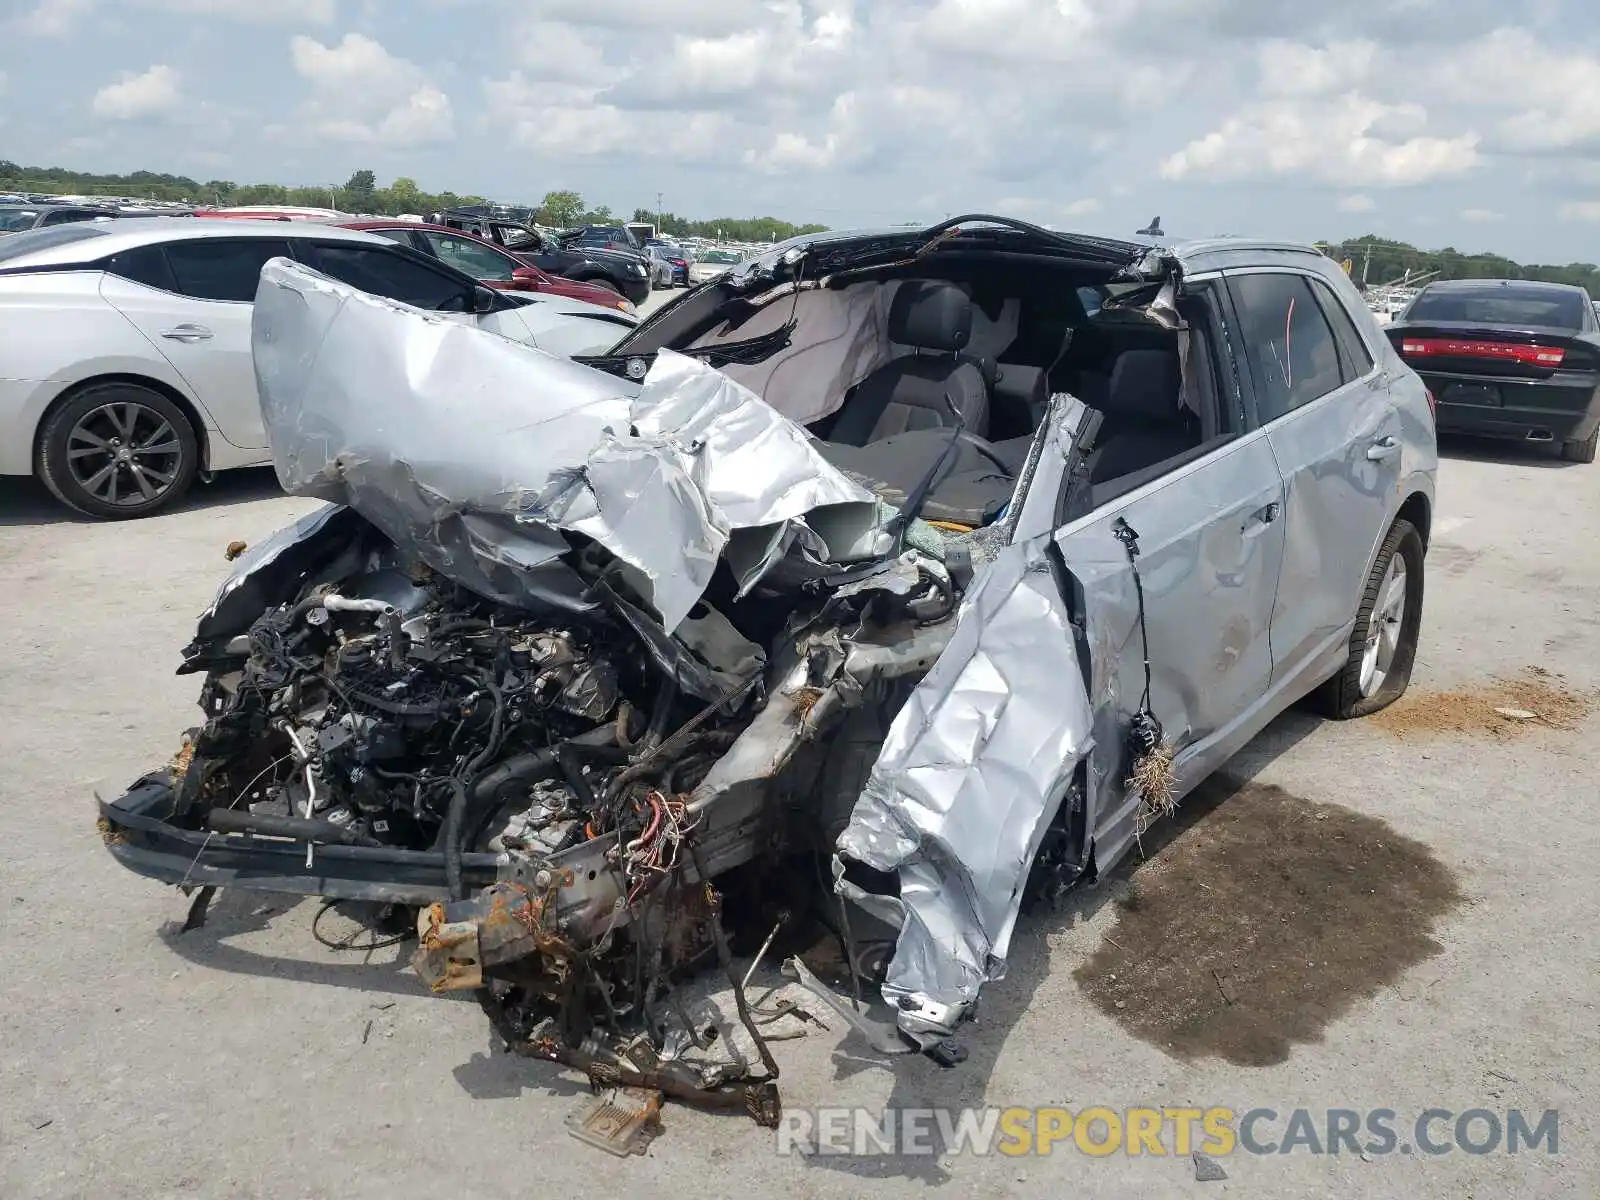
[[401, 236], [392, 275], [146, 265], [217, 269], [469, 257], [1353, 351], [1288, 341]]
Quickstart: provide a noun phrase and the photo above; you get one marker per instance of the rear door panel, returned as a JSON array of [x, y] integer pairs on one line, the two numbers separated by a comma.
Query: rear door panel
[[208, 344], [1341, 457]]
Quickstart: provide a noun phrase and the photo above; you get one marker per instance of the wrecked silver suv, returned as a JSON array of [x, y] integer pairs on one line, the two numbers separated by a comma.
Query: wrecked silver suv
[[917, 570]]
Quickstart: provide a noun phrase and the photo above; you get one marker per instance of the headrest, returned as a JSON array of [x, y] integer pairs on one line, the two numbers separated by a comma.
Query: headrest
[[1145, 383], [930, 316]]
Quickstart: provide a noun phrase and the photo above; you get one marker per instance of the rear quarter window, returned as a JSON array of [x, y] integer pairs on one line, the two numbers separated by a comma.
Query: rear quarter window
[[1356, 358]]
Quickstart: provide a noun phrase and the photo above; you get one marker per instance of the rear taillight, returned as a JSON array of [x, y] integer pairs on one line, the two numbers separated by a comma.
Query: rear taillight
[[1536, 356]]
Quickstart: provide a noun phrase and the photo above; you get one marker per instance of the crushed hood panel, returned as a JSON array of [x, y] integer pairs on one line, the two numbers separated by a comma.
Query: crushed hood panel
[[478, 453]]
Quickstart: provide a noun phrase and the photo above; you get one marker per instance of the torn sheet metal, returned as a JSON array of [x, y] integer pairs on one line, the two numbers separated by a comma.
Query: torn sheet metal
[[276, 563], [971, 774], [476, 452]]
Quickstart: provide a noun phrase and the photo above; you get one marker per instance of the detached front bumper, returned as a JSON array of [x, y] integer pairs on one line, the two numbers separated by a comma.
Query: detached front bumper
[[138, 832]]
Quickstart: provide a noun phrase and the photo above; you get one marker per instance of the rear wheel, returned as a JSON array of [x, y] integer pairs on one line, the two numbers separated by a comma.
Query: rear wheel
[[118, 450], [1581, 451], [1383, 645]]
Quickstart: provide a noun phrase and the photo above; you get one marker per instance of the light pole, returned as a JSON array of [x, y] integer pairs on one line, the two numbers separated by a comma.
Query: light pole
[[660, 232]]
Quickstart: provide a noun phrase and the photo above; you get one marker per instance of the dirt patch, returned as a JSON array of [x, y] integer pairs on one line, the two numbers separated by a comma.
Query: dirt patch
[[1262, 923], [1499, 708]]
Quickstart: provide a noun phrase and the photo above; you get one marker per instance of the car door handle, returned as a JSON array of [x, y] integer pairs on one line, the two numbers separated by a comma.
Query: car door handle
[[1382, 449], [1260, 519], [187, 333]]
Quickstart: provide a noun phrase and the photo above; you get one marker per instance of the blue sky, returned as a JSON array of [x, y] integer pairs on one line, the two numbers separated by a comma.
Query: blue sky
[[1469, 123]]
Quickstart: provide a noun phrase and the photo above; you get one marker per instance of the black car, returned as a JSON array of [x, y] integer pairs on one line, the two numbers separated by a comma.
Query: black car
[[624, 272], [1508, 358], [14, 218]]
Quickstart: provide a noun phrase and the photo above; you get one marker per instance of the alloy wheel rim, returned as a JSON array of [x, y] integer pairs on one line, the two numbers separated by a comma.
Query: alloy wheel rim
[[1384, 627], [124, 453]]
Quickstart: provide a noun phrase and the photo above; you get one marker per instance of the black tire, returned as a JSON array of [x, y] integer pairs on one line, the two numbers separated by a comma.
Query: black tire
[[1342, 698], [68, 463], [601, 281], [1581, 451]]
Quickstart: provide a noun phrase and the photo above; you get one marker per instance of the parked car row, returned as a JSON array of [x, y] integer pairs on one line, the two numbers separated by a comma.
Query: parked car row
[[126, 368]]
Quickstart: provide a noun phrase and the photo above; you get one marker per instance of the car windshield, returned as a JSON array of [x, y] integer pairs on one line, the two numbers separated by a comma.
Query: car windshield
[[1499, 305], [29, 240], [13, 219], [719, 256]]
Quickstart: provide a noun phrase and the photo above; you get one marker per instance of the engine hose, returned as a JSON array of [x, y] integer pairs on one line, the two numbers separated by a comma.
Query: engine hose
[[453, 834], [450, 835], [659, 715], [301, 829], [624, 726], [458, 625], [394, 707]]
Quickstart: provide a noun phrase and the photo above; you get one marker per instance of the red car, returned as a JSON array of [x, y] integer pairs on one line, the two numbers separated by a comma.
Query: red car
[[486, 262]]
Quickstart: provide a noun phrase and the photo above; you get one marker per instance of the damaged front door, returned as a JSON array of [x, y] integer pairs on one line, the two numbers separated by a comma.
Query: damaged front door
[[1206, 542]]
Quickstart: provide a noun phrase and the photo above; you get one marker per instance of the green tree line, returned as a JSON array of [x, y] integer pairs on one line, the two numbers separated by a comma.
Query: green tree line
[[361, 194], [1382, 260], [733, 229]]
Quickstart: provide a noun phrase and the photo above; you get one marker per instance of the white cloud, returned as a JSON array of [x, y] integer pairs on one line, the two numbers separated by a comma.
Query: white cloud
[[150, 94], [362, 93], [1481, 216], [1351, 138], [57, 18], [309, 12], [1293, 69], [1033, 208], [680, 16], [558, 52], [54, 18], [844, 111], [1581, 210]]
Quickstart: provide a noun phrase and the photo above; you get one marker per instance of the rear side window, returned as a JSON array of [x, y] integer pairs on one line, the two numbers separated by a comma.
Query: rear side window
[[1287, 340], [222, 268], [146, 265], [391, 274], [1499, 304], [1354, 355]]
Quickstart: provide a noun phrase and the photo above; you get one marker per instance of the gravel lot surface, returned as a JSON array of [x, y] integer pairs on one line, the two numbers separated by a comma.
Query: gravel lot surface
[[245, 1060]]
